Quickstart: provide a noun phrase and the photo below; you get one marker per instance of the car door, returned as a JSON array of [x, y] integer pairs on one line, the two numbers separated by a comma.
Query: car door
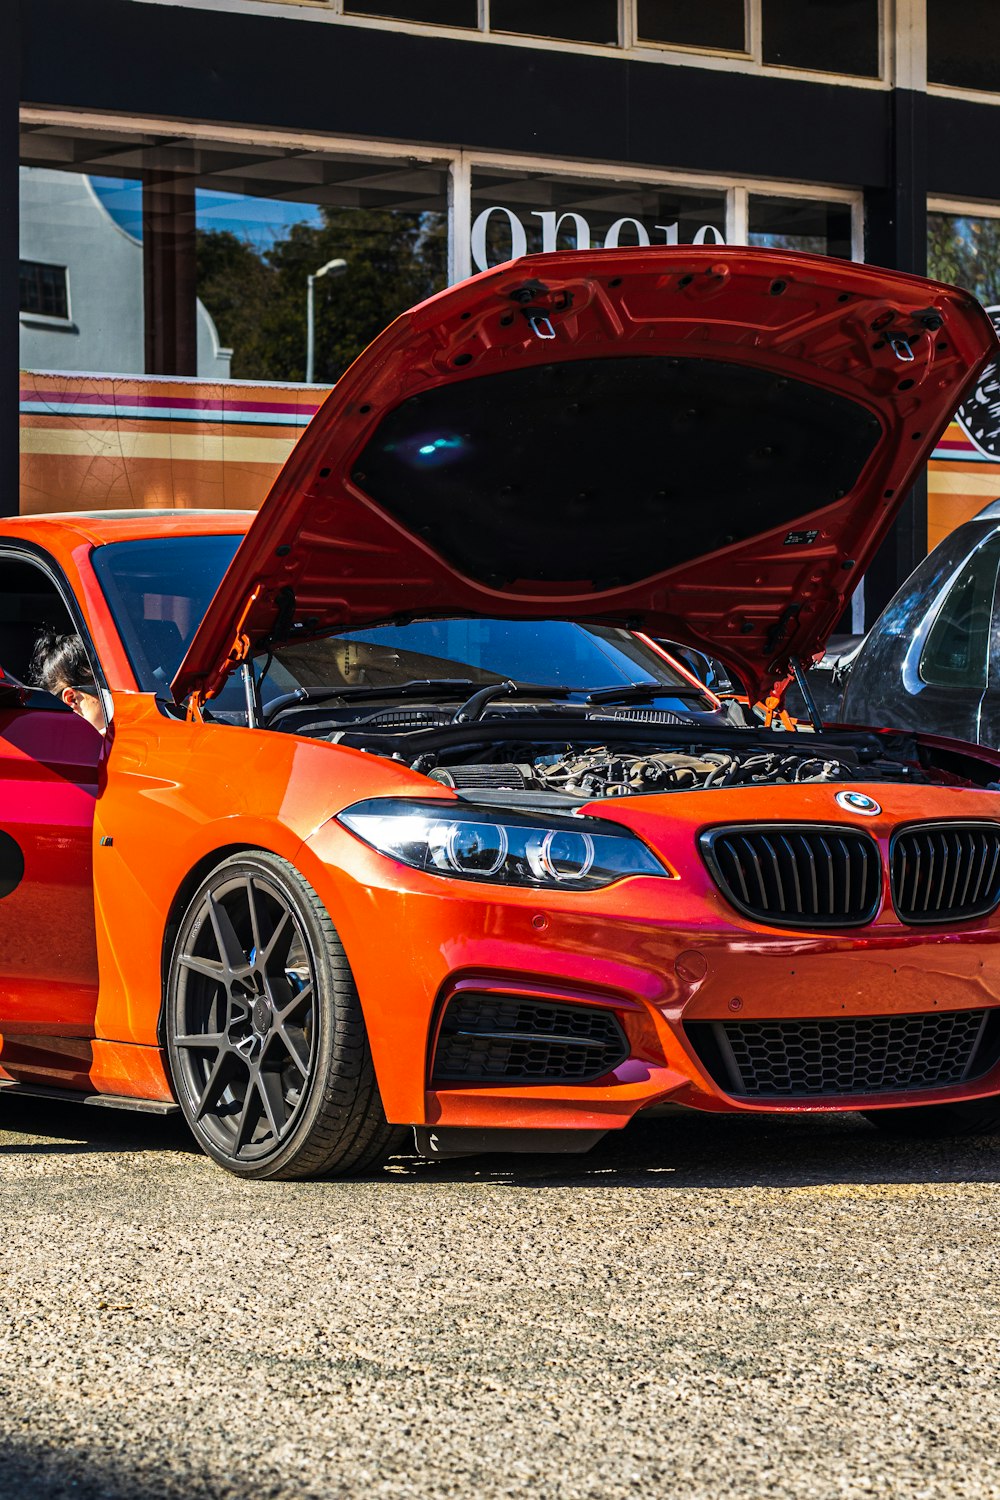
[[50, 761]]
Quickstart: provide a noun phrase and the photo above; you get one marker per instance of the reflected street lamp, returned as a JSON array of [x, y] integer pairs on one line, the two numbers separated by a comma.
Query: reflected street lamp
[[332, 268]]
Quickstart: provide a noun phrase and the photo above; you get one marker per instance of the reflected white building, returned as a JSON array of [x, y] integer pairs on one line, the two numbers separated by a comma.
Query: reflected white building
[[81, 284]]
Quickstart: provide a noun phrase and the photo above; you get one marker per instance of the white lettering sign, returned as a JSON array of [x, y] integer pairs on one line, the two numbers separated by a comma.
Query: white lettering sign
[[613, 236], [518, 238], [623, 232], [552, 223]]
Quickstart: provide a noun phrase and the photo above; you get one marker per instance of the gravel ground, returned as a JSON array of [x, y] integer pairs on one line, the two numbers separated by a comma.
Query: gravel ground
[[698, 1308]]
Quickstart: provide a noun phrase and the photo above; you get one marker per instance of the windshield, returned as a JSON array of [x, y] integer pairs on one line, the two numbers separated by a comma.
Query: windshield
[[544, 653], [158, 591]]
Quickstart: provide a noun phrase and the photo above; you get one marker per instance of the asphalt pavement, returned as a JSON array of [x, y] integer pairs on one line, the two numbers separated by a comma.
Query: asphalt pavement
[[701, 1307]]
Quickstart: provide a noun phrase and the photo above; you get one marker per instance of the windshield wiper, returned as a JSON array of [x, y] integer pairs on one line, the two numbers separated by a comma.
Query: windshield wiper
[[636, 692], [470, 709], [416, 687]]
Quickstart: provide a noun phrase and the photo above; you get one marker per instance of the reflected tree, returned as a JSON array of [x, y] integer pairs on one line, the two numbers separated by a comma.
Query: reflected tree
[[258, 298], [965, 251]]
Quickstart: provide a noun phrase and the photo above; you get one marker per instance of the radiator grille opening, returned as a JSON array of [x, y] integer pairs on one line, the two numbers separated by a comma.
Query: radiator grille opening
[[509, 1039], [945, 872], [796, 875], [851, 1055]]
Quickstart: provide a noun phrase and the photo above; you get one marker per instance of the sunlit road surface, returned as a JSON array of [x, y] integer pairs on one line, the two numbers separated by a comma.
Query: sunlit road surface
[[699, 1308]]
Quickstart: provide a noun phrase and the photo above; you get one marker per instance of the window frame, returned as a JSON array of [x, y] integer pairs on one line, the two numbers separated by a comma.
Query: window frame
[[629, 45], [16, 550], [459, 166], [48, 320]]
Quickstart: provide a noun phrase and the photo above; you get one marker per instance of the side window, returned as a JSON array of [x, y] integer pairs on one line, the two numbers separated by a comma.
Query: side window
[[30, 604], [956, 653]]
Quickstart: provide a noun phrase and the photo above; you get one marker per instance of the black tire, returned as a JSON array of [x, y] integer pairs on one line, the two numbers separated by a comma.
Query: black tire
[[265, 1036], [938, 1121]]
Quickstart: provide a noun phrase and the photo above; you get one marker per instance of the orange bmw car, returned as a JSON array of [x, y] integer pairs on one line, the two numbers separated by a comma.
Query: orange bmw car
[[402, 819]]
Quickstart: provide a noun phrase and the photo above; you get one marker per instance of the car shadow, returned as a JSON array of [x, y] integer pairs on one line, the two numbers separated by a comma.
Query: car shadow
[[44, 1127], [679, 1152], [682, 1152]]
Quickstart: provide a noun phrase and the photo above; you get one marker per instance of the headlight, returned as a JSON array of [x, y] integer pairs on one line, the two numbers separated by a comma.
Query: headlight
[[476, 843]]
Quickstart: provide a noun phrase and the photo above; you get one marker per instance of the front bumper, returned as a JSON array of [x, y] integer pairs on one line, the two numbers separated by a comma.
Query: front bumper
[[660, 954]]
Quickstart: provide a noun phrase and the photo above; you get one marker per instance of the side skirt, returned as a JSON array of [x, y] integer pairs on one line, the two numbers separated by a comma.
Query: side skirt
[[73, 1096]]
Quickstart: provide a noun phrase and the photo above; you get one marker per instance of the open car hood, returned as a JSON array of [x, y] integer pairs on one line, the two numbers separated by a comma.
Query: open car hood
[[706, 444]]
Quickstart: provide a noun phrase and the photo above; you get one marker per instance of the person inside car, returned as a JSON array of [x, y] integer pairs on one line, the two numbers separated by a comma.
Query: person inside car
[[59, 664]]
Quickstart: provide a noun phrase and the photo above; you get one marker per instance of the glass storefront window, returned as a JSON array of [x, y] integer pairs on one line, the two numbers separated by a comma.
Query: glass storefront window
[[825, 36], [463, 13], [582, 21], [197, 262], [717, 25], [963, 44], [194, 258], [965, 249], [517, 213], [806, 224]]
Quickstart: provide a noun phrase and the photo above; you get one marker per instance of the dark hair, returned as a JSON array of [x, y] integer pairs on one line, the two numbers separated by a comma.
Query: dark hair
[[60, 661]]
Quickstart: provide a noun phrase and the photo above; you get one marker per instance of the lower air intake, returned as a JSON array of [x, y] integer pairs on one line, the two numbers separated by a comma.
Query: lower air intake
[[507, 1039], [853, 1055]]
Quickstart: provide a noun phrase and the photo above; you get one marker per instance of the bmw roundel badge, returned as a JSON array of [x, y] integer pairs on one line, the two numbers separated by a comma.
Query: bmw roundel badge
[[857, 802]]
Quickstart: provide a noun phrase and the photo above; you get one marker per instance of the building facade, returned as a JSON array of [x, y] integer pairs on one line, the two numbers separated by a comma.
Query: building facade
[[248, 145]]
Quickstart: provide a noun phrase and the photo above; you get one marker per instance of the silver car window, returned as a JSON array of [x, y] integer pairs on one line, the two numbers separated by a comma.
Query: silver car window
[[956, 652]]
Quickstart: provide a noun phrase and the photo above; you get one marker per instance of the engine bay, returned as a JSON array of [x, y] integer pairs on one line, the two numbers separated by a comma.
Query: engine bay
[[606, 771], [575, 758]]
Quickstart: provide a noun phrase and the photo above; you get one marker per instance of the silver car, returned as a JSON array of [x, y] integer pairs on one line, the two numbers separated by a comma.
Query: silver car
[[931, 662]]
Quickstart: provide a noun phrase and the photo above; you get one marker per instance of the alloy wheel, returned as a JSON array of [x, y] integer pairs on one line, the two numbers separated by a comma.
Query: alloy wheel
[[243, 1028]]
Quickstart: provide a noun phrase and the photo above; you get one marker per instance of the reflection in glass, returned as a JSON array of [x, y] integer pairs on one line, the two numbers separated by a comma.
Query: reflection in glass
[[195, 260], [69, 236], [805, 224], [43, 290], [965, 249]]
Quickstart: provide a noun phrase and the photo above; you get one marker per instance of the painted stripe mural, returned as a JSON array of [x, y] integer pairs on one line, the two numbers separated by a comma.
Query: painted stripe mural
[[961, 479], [103, 443], [107, 442]]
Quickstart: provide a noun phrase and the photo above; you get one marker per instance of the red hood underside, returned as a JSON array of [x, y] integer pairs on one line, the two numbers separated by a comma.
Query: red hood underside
[[706, 444]]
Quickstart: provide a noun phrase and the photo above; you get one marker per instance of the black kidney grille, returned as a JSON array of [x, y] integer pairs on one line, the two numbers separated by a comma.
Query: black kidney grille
[[945, 872], [850, 1055], [506, 1039], [796, 875]]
